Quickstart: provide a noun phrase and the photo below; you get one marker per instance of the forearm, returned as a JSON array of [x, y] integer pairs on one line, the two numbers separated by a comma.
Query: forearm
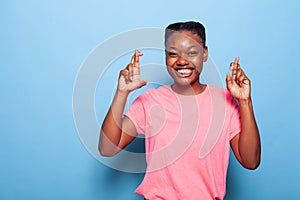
[[249, 141], [111, 129]]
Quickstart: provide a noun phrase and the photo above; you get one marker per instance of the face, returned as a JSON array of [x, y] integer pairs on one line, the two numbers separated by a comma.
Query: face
[[185, 55]]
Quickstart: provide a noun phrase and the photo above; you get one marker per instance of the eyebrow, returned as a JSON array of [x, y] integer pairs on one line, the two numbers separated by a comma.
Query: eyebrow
[[194, 46], [171, 48], [174, 48]]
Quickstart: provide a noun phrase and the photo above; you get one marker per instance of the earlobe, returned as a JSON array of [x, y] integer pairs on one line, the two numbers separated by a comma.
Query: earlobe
[[205, 54]]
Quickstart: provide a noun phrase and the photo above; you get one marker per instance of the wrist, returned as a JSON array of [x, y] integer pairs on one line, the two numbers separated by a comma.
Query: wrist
[[245, 102], [122, 93]]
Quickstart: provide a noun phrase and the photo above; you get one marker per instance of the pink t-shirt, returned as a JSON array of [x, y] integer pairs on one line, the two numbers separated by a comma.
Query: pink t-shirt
[[187, 140]]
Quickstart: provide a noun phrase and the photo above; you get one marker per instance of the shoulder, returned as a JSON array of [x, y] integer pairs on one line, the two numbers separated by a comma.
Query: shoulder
[[157, 93], [150, 96], [222, 94], [217, 92], [216, 88]]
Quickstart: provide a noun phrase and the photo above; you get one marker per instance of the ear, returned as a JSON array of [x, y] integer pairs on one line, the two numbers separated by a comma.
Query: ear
[[205, 54]]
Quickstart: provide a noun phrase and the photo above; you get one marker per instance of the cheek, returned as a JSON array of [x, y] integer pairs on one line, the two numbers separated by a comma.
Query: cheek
[[197, 61], [171, 71], [170, 61]]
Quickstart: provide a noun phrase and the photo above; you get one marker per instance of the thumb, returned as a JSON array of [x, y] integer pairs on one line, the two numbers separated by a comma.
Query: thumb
[[142, 83], [228, 80]]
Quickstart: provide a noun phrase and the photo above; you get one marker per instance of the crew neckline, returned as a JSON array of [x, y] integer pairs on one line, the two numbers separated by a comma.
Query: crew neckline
[[197, 95]]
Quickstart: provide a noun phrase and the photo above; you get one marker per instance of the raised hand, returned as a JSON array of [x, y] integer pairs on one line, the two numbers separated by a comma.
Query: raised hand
[[238, 84], [129, 78]]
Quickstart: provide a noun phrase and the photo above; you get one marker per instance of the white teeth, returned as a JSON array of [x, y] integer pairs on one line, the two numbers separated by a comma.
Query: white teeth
[[184, 71]]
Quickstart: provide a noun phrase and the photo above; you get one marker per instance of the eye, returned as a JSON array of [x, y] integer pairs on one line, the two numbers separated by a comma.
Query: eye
[[172, 54], [192, 53]]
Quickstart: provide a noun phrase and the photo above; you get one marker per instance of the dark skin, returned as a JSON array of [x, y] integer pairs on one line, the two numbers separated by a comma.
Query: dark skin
[[246, 145], [185, 55], [184, 51], [117, 132]]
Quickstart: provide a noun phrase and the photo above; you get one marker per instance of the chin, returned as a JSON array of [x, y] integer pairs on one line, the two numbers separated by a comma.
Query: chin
[[186, 83]]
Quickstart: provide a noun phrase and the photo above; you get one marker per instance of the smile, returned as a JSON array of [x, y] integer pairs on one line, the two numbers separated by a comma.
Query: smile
[[183, 73]]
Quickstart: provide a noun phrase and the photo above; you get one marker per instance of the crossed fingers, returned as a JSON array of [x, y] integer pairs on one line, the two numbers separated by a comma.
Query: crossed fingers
[[133, 68], [238, 75]]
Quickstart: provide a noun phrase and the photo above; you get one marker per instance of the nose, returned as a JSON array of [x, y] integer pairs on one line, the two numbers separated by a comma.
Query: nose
[[182, 61]]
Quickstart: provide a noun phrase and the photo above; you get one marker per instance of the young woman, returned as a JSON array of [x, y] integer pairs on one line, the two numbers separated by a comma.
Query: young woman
[[179, 120]]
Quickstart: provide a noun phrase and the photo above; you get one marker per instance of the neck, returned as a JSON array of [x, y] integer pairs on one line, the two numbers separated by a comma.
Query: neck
[[189, 90]]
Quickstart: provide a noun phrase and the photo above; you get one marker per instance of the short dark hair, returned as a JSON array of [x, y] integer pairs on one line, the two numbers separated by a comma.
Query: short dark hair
[[194, 27]]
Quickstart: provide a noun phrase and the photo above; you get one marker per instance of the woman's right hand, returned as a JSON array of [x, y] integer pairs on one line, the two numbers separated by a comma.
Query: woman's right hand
[[129, 78]]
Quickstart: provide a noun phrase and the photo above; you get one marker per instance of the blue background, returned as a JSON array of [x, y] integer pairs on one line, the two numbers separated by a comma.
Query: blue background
[[43, 44]]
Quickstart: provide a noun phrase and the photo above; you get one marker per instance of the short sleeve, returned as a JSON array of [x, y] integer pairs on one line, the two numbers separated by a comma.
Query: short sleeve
[[136, 113], [235, 124]]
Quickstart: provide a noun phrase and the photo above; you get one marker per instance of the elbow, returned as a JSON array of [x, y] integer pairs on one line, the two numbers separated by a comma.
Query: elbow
[[251, 159], [253, 165], [105, 147], [105, 152]]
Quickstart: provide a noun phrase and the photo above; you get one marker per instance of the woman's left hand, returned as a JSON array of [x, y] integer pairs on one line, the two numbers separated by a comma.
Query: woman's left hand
[[238, 83]]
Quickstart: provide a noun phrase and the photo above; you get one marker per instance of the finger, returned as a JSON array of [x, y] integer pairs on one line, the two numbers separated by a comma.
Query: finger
[[246, 80], [239, 72], [130, 72], [241, 78], [237, 77], [132, 59], [142, 83], [236, 61], [124, 75], [231, 66], [135, 71], [228, 80], [235, 64], [246, 77], [137, 58], [234, 74]]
